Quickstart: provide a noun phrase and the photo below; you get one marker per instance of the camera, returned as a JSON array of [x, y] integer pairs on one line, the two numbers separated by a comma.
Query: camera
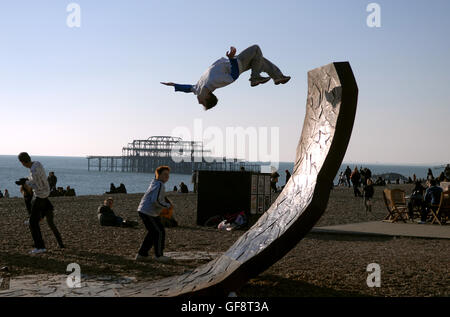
[[21, 182]]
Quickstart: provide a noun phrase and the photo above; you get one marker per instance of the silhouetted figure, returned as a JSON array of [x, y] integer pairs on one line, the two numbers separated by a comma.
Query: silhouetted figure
[[175, 189], [430, 174], [61, 192], [194, 180], [348, 174], [70, 192], [112, 189], [183, 188], [368, 194], [1, 194], [52, 180], [432, 197], [447, 172], [121, 189], [356, 179], [6, 195], [288, 175], [380, 182], [274, 180], [416, 199]]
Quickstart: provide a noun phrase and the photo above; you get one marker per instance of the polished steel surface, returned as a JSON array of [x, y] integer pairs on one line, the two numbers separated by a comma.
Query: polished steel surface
[[327, 127]]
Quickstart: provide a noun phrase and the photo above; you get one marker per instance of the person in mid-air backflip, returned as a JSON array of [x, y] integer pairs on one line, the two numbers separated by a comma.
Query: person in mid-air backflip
[[225, 71]]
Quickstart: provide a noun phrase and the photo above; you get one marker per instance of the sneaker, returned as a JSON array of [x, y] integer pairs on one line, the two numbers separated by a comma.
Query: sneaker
[[422, 222], [163, 259], [258, 80], [37, 251], [141, 258], [282, 80], [26, 222]]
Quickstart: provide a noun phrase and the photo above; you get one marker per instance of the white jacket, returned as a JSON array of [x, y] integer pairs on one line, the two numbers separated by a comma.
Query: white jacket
[[217, 75]]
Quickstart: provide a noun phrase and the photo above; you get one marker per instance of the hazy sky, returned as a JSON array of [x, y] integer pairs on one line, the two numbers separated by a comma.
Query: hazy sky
[[93, 89]]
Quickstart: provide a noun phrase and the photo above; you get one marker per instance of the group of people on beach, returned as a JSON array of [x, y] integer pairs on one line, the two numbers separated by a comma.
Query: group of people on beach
[[358, 178], [36, 192], [4, 195], [423, 198]]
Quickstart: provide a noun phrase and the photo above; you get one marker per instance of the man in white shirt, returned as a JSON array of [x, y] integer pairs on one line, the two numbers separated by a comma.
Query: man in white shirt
[[40, 204], [225, 71]]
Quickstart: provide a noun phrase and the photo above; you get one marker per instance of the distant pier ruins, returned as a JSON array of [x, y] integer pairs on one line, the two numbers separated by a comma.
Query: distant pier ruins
[[183, 157]]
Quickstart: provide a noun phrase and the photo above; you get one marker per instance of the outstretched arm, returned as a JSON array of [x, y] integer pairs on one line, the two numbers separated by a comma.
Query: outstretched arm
[[183, 88], [234, 65]]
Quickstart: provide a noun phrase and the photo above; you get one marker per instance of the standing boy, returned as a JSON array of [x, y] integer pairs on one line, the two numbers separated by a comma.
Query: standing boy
[[149, 210]]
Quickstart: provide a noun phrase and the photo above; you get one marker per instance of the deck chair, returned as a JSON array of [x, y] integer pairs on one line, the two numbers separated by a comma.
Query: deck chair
[[387, 202], [443, 210], [396, 205]]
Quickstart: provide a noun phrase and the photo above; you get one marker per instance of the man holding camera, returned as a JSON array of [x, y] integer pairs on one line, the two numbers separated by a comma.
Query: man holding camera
[[39, 206]]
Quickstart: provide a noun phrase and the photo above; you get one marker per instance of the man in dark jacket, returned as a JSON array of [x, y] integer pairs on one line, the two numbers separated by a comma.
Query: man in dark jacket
[[348, 173], [432, 198], [107, 217]]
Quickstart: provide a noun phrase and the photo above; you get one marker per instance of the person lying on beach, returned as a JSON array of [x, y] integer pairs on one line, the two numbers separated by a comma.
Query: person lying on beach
[[225, 71], [108, 218]]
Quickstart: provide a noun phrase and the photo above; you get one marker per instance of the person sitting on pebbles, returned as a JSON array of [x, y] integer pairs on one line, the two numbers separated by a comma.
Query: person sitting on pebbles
[[225, 71], [107, 217]]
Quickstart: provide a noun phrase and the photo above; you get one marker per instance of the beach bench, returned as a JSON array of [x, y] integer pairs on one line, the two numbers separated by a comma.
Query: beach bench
[[442, 210], [395, 204]]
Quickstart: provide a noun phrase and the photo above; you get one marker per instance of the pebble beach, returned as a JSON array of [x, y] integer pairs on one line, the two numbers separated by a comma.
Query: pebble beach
[[320, 265]]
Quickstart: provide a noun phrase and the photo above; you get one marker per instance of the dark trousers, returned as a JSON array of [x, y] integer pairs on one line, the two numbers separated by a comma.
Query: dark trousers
[[37, 209], [156, 235], [51, 224], [356, 190], [415, 204], [426, 210]]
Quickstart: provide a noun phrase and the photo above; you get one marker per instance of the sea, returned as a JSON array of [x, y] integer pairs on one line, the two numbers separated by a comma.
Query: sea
[[73, 172]]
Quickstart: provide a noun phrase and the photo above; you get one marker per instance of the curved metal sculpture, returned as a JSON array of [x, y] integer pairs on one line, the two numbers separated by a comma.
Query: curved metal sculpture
[[328, 124]]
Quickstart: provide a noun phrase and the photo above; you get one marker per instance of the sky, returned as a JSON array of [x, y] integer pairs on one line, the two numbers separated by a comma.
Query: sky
[[93, 89]]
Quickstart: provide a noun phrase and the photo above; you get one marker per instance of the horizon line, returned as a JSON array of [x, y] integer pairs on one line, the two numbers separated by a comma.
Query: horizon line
[[434, 164]]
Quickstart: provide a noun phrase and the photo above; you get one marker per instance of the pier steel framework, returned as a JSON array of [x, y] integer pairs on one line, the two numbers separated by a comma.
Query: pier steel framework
[[183, 157]]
